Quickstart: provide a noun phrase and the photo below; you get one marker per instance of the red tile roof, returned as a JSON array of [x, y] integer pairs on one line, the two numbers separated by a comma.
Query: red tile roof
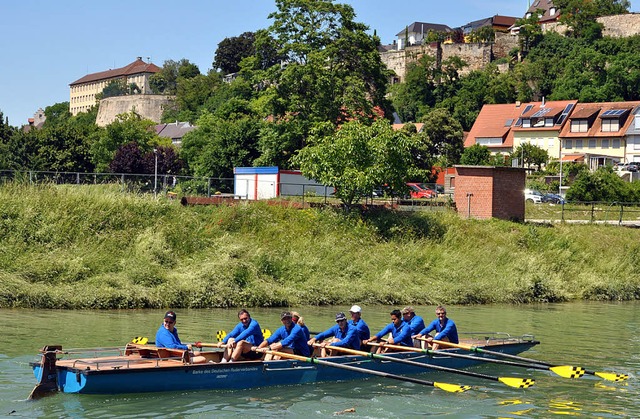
[[136, 67], [589, 110], [491, 123]]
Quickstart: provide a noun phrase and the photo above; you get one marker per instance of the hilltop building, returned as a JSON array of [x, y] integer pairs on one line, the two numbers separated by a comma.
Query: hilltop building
[[82, 92]]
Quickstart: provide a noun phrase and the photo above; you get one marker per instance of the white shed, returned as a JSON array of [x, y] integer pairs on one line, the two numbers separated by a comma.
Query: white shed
[[269, 182]]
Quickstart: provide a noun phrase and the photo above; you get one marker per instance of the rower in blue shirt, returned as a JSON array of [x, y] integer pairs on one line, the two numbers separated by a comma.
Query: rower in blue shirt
[[445, 329], [399, 333], [288, 338], [415, 322], [343, 335], [239, 341], [359, 324]]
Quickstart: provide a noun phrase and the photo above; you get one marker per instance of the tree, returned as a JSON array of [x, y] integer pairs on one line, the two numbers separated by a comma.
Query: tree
[[580, 15], [332, 71], [165, 81], [117, 87], [127, 128], [444, 137], [57, 114], [357, 158], [601, 185], [219, 144], [476, 155], [231, 51], [530, 155]]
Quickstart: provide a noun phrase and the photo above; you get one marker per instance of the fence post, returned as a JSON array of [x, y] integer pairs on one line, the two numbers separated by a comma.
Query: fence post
[[621, 213], [593, 209], [208, 187], [562, 213], [77, 178], [325, 194]]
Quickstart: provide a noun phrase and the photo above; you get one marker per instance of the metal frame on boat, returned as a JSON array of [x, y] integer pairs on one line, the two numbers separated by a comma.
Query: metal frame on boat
[[144, 368]]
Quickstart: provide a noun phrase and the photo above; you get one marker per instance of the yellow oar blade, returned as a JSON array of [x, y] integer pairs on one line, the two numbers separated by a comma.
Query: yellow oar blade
[[610, 376], [266, 333], [452, 388], [140, 340], [517, 382], [567, 371], [220, 335]]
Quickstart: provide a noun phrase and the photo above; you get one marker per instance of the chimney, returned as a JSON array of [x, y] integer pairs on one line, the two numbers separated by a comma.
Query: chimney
[[518, 103], [542, 105]]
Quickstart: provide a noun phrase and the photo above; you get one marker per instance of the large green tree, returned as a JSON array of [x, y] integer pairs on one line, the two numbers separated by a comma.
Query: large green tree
[[231, 51], [580, 15], [331, 69], [443, 137], [172, 72], [357, 158], [220, 143]]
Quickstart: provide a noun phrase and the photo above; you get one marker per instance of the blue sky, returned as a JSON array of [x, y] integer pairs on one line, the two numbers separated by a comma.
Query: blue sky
[[45, 45]]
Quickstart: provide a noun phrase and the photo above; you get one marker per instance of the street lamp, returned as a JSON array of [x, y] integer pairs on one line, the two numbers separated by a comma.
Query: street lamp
[[155, 174]]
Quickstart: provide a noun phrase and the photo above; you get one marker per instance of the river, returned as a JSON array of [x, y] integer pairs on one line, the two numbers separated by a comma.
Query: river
[[597, 336]]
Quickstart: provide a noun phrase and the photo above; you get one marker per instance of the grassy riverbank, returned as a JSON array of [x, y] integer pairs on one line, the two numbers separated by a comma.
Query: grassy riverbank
[[95, 247]]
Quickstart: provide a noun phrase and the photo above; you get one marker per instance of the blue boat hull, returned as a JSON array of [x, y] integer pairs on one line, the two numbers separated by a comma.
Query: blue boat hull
[[251, 374]]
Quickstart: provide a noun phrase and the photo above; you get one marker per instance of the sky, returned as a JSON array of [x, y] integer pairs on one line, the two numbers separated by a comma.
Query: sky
[[46, 45]]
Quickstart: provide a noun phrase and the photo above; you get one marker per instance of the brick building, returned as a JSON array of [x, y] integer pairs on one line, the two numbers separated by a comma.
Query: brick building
[[490, 192]]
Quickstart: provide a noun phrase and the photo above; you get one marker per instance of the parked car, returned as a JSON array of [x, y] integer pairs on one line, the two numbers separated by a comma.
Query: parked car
[[553, 198], [420, 190], [632, 167], [531, 195]]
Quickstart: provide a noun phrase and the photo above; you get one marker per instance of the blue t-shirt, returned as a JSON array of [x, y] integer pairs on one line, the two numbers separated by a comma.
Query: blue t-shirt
[[251, 333], [416, 324], [167, 339], [449, 330], [293, 338], [362, 328], [401, 334], [348, 337]]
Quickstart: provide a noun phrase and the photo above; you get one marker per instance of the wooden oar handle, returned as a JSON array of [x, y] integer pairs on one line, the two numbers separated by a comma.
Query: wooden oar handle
[[210, 345]]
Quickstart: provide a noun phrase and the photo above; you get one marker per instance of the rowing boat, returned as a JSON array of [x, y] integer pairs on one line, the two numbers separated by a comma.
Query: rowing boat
[[145, 368]]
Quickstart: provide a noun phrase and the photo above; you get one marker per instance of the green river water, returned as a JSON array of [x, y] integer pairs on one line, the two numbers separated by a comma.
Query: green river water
[[597, 336]]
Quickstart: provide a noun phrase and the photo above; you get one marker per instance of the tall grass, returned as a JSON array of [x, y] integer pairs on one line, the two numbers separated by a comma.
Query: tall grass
[[95, 247]]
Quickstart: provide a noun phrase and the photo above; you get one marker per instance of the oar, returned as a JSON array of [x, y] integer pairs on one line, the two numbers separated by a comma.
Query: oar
[[140, 340], [462, 356], [510, 381], [452, 388], [566, 371]]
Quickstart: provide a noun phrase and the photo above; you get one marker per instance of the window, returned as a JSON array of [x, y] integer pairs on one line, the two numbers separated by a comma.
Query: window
[[548, 122], [568, 144], [610, 125], [578, 143], [605, 144], [526, 123], [488, 141], [615, 143], [592, 143], [552, 11], [579, 125]]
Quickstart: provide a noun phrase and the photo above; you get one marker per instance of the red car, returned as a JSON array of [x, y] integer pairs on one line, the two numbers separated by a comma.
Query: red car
[[420, 190]]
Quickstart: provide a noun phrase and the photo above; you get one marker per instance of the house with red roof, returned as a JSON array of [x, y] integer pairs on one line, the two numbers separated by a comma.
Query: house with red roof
[[596, 134], [504, 127], [82, 92]]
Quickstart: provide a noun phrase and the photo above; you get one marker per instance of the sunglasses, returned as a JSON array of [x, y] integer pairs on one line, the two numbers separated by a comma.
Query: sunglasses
[[169, 321]]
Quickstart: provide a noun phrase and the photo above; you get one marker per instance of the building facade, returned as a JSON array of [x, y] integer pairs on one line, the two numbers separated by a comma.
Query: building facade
[[82, 92]]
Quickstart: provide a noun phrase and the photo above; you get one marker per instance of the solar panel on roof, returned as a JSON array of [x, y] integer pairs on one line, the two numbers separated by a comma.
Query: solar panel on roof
[[526, 109], [561, 119], [508, 122], [518, 122], [541, 112], [565, 113]]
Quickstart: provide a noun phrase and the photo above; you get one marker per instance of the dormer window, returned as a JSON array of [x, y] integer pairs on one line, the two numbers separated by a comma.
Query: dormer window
[[610, 125], [579, 125], [552, 11]]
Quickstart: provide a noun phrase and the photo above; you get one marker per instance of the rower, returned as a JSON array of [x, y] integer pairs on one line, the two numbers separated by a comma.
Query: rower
[[445, 328], [342, 335], [398, 330], [289, 338], [167, 337]]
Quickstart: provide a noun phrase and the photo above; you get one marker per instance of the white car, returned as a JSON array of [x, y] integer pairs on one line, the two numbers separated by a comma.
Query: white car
[[531, 195]]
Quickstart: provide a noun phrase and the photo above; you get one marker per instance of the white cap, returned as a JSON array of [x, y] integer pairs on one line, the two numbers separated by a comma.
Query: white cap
[[355, 309]]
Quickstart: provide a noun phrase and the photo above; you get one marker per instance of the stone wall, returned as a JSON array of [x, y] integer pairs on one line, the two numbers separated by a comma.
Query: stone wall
[[476, 55], [148, 106], [621, 26]]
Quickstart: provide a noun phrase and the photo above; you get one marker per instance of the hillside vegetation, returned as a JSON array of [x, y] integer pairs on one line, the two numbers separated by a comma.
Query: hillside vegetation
[[95, 247]]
